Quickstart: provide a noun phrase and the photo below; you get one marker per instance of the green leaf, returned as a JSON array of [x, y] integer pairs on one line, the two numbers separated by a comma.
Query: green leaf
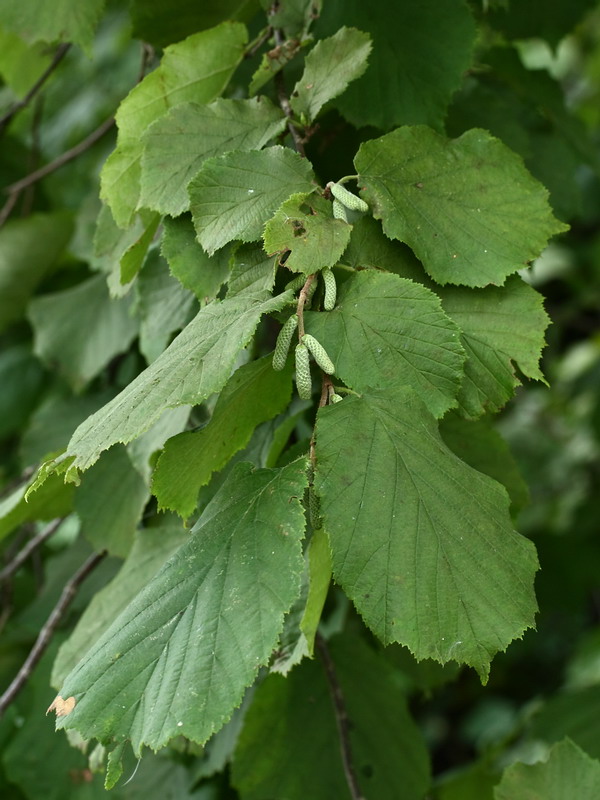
[[369, 247], [52, 500], [28, 250], [21, 64], [303, 757], [272, 62], [193, 268], [294, 17], [254, 394], [152, 547], [445, 574], [176, 145], [141, 450], [21, 383], [161, 24], [573, 714], [499, 327], [304, 226], [412, 71], [196, 364], [64, 20], [329, 67], [319, 578], [467, 207], [387, 332], [114, 247], [151, 677], [568, 772], [110, 502], [59, 319], [195, 70], [480, 445], [164, 306], [234, 195], [251, 270]]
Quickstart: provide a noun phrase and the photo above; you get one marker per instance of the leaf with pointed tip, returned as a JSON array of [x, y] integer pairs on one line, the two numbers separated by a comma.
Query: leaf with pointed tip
[[178, 658], [233, 196], [194, 70], [500, 326], [467, 207], [330, 66], [386, 332], [253, 394], [176, 145], [196, 364], [304, 227], [441, 570]]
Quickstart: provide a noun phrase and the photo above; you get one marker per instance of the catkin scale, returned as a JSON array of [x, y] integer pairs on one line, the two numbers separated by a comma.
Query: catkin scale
[[339, 211], [303, 379], [330, 289], [346, 198], [318, 353], [284, 340]]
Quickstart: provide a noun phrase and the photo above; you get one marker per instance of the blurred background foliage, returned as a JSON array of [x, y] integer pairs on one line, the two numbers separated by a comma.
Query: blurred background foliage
[[534, 83]]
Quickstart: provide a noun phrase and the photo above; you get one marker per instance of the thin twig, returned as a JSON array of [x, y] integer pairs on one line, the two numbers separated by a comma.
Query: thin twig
[[16, 107], [62, 159], [15, 189], [29, 548], [285, 103], [46, 633], [341, 718]]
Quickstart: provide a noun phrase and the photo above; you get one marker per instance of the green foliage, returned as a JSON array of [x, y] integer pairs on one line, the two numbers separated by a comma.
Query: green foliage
[[270, 345]]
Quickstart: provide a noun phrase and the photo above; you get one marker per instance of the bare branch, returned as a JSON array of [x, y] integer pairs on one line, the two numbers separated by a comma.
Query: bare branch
[[29, 548], [341, 718], [14, 110], [46, 633]]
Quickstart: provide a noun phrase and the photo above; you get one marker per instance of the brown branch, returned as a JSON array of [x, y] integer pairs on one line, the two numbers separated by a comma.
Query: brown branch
[[46, 633], [15, 189], [62, 159], [29, 548], [285, 103], [14, 110], [341, 718]]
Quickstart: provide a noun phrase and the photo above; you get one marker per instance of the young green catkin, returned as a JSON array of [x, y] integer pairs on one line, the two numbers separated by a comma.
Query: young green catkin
[[318, 353], [330, 289], [339, 211], [346, 198], [284, 340], [303, 379]]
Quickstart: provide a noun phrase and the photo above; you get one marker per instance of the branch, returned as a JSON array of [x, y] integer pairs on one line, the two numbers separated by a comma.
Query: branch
[[15, 189], [62, 159], [29, 548], [45, 635], [285, 103], [341, 718], [58, 57]]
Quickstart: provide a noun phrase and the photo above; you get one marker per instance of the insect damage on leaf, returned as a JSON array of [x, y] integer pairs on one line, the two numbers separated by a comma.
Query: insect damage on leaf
[[61, 707]]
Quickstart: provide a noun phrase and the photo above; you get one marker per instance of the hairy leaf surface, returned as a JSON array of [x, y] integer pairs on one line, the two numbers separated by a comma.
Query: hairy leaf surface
[[195, 70], [178, 658], [467, 207], [305, 227], [196, 364], [233, 196], [254, 394], [329, 67], [176, 145], [421, 542], [386, 332]]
